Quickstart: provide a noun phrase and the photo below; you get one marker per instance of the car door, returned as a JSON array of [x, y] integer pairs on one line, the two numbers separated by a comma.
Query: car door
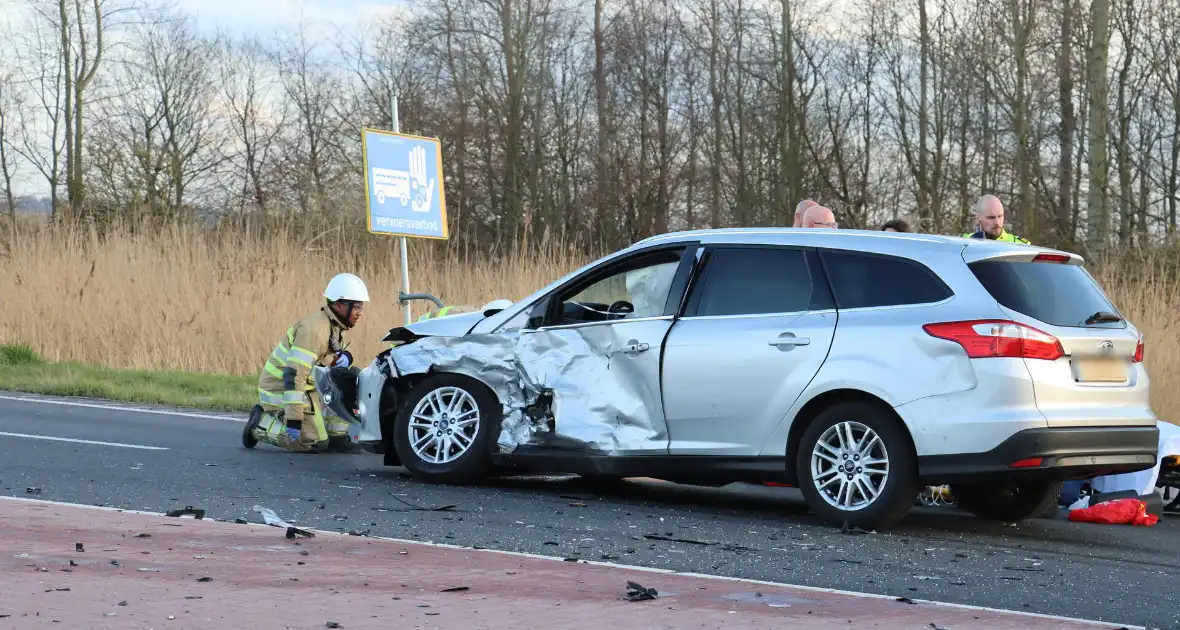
[[756, 328], [596, 342]]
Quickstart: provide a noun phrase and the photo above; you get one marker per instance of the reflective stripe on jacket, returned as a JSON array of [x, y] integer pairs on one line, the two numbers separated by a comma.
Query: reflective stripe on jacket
[[286, 376], [1005, 236]]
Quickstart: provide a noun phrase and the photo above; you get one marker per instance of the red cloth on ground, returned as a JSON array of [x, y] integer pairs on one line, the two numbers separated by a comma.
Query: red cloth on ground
[[1120, 512]]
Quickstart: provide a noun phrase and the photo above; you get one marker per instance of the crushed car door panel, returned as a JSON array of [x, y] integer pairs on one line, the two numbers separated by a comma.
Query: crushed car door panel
[[756, 330], [598, 352]]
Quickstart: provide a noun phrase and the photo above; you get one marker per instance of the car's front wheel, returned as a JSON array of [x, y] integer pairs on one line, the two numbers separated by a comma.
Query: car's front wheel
[[855, 466], [1009, 502], [444, 430]]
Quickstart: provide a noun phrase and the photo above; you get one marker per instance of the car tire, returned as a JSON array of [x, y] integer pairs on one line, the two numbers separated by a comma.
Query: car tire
[[460, 466], [248, 439], [1008, 502], [895, 495]]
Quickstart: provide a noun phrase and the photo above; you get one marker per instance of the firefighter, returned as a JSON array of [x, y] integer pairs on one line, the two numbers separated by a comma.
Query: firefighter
[[289, 413], [989, 215]]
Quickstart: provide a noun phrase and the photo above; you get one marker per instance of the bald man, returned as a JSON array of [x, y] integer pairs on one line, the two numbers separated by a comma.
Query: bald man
[[989, 215], [800, 209], [818, 216]]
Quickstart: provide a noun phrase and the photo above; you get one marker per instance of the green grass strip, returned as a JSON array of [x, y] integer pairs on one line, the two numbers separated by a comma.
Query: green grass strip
[[22, 370]]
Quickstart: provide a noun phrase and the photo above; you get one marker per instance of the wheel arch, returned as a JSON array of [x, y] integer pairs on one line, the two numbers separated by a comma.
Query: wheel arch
[[826, 400]]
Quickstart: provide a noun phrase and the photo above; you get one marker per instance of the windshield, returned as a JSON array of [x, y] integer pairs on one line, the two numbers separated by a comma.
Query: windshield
[[1060, 295]]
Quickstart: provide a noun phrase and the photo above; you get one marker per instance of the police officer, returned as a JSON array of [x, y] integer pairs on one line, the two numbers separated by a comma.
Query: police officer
[[989, 214]]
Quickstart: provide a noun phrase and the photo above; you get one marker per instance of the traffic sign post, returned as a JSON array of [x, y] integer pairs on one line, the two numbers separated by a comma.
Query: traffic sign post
[[404, 192]]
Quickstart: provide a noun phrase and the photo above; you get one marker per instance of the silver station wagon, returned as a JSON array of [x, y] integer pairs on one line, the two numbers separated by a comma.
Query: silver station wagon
[[857, 366]]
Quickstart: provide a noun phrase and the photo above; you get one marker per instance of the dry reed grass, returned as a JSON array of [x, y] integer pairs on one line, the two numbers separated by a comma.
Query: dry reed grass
[[183, 298]]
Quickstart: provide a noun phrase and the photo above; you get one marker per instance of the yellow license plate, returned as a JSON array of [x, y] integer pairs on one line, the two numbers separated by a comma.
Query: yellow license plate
[[1100, 369]]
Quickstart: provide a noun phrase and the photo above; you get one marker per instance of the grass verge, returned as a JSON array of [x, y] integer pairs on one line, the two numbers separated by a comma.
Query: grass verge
[[22, 370]]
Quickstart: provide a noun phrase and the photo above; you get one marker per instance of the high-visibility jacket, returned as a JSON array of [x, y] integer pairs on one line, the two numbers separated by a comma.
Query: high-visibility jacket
[[1005, 236], [286, 376], [446, 310]]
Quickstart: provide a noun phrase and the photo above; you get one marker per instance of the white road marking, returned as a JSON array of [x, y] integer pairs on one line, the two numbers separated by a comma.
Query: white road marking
[[518, 554], [162, 412], [77, 441]]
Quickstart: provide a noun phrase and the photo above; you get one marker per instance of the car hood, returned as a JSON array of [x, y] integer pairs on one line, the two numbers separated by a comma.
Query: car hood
[[446, 326]]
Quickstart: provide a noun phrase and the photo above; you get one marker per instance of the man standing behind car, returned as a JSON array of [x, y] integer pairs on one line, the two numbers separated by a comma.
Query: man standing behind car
[[989, 215], [818, 216], [802, 208]]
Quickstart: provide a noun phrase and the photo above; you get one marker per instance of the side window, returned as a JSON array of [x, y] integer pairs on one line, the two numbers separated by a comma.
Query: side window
[[755, 281], [862, 280], [638, 288]]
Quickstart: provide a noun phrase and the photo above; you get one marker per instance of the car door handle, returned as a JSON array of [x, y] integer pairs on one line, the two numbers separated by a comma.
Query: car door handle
[[634, 347], [790, 340]]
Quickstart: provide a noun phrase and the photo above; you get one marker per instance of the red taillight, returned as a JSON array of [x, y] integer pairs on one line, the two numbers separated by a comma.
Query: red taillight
[[1031, 462], [992, 338], [1051, 258], [1138, 358]]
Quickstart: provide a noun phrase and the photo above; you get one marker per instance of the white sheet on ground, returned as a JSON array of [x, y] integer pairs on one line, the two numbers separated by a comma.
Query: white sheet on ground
[[1143, 481]]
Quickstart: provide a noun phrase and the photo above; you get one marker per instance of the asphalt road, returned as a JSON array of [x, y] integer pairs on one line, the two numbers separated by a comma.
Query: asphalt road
[[1118, 574]]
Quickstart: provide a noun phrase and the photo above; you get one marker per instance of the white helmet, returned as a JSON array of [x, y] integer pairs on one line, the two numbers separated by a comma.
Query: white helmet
[[346, 286], [498, 305]]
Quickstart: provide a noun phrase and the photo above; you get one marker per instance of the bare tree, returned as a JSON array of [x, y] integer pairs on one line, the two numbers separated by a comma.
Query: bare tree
[[10, 106], [1098, 205], [256, 117]]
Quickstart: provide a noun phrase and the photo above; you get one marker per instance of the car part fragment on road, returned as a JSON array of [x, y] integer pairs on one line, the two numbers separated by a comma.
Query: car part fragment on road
[[638, 593], [188, 510]]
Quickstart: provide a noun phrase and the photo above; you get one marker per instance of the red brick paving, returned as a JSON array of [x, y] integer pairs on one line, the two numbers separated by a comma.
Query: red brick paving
[[262, 580]]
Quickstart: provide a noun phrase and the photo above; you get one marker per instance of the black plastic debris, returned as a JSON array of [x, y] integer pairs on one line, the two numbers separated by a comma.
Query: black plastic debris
[[32, 490], [455, 589], [679, 540], [78, 547], [906, 600], [295, 532], [188, 510], [204, 579], [332, 624], [143, 535], [638, 592], [115, 562], [241, 521], [122, 603]]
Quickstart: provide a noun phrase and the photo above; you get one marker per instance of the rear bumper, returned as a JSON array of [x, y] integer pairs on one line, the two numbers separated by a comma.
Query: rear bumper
[[1064, 453]]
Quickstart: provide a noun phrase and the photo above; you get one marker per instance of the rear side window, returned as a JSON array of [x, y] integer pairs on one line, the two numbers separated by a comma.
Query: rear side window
[[1060, 295], [755, 281], [862, 280]]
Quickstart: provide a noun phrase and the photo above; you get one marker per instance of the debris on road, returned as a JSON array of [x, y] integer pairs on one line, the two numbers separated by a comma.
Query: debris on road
[[78, 547], [188, 510], [295, 532], [331, 624], [270, 518], [679, 540], [32, 490], [638, 593], [455, 589]]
